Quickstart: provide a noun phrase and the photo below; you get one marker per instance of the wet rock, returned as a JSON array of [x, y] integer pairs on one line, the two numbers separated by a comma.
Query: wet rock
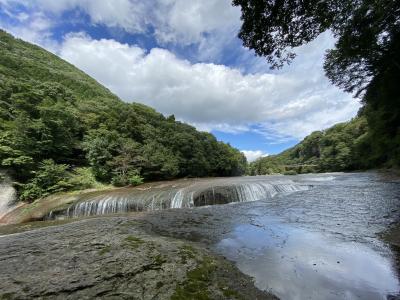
[[112, 258]]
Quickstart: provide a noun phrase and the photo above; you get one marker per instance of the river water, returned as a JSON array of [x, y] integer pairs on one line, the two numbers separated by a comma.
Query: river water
[[314, 236], [7, 197], [322, 243]]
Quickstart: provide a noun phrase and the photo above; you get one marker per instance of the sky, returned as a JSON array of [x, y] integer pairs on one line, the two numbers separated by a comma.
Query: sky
[[184, 58]]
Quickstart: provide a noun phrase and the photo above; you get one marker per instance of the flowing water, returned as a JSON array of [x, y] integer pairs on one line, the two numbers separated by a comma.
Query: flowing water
[[184, 194], [7, 198], [323, 243], [312, 236]]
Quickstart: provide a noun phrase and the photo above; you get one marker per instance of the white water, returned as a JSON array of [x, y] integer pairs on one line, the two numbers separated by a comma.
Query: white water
[[197, 194], [7, 197], [321, 179]]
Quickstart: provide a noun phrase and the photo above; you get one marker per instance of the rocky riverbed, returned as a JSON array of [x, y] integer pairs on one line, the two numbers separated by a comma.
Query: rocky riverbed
[[326, 242], [114, 258]]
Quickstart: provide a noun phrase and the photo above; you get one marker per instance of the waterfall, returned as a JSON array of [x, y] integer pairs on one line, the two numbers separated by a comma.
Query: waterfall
[[211, 192], [7, 198]]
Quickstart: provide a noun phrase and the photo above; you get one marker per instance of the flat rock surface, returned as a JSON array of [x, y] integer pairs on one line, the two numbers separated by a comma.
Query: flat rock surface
[[114, 257]]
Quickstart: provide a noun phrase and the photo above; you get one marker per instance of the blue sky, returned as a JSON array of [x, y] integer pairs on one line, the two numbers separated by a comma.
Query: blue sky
[[184, 58]]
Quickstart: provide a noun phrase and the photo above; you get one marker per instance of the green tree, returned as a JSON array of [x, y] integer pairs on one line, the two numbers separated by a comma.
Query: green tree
[[49, 178], [38, 122], [338, 148], [365, 59], [127, 163], [100, 146], [51, 110], [159, 162]]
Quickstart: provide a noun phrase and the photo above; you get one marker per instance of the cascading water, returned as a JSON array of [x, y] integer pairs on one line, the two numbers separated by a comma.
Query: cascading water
[[201, 193], [7, 198]]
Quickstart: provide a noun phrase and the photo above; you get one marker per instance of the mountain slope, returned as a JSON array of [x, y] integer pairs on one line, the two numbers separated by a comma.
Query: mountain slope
[[59, 128], [339, 148]]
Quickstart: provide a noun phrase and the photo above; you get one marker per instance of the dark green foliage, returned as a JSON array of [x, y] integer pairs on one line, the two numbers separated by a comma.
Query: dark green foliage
[[100, 146], [290, 172], [49, 178], [273, 27], [159, 161], [364, 61], [38, 122], [82, 178], [135, 179], [51, 110], [339, 148], [382, 109]]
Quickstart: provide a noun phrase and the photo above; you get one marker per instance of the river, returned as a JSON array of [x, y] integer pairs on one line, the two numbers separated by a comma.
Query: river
[[318, 238], [321, 243]]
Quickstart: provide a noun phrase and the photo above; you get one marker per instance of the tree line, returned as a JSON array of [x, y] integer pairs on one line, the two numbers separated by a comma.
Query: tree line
[[365, 60], [61, 130], [339, 148]]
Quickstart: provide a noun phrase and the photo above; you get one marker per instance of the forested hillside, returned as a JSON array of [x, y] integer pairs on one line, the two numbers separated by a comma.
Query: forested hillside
[[365, 61], [61, 130], [342, 147]]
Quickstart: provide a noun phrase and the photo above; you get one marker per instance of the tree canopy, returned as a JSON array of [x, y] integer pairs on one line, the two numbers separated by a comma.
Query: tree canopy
[[339, 148], [54, 119], [365, 59]]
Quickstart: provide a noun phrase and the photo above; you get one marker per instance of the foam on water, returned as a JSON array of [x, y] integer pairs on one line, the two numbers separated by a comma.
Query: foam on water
[[325, 178], [7, 197], [197, 194]]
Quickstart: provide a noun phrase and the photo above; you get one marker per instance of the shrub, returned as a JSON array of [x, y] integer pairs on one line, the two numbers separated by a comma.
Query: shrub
[[308, 169], [290, 172], [83, 178], [49, 178], [135, 180], [119, 180], [130, 178]]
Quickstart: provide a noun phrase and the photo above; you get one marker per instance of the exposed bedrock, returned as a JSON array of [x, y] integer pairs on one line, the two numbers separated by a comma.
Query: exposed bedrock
[[201, 193], [113, 258]]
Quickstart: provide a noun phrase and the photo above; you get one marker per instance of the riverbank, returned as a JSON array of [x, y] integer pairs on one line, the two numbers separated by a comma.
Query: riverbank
[[115, 258], [392, 236], [320, 242], [38, 209], [182, 193]]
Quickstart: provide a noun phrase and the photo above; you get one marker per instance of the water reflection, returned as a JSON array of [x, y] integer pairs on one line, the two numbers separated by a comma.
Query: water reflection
[[296, 263]]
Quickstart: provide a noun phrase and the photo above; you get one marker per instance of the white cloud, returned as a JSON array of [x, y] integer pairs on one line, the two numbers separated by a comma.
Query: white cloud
[[126, 14], [206, 27], [211, 96], [129, 15], [171, 21], [186, 22], [281, 105], [252, 155], [34, 28]]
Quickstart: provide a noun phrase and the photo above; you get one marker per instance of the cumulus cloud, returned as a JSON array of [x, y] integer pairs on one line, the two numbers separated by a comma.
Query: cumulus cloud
[[182, 21], [252, 155], [34, 27], [281, 105], [170, 21], [203, 29], [212, 96], [126, 14]]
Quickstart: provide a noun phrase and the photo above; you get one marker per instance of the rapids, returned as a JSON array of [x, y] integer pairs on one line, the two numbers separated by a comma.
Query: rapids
[[7, 197], [314, 236], [182, 194]]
